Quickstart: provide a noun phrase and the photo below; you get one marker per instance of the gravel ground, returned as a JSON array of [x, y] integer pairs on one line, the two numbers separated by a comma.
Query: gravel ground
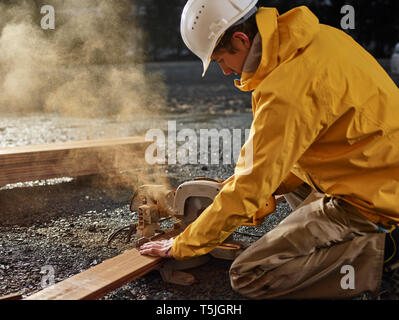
[[64, 223]]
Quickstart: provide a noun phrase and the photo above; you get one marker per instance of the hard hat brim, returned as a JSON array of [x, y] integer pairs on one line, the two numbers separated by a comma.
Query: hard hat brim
[[205, 64]]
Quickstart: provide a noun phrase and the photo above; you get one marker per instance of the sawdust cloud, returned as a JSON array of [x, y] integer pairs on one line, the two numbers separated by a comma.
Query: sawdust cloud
[[79, 69]]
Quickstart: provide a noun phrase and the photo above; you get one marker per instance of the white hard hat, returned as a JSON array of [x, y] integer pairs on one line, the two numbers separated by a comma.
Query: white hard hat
[[203, 22]]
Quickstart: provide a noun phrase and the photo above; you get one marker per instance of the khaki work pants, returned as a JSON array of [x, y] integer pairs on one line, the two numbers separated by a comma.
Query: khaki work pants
[[311, 254]]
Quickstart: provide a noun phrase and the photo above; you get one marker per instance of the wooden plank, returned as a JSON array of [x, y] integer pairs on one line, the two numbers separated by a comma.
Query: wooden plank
[[103, 278], [70, 159], [99, 280], [72, 145], [12, 296]]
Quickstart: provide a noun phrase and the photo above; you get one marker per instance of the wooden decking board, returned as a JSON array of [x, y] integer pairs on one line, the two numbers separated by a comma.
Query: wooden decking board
[[77, 158], [103, 278], [72, 145]]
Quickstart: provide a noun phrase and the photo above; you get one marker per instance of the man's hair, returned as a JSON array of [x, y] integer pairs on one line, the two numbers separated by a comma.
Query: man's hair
[[248, 27]]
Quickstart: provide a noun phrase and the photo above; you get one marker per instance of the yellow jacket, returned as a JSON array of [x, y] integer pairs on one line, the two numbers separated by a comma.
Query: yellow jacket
[[323, 109]]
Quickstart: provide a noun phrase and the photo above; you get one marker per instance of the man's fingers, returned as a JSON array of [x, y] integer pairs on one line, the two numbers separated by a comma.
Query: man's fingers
[[153, 252], [148, 252], [151, 245], [156, 244], [157, 248], [151, 248]]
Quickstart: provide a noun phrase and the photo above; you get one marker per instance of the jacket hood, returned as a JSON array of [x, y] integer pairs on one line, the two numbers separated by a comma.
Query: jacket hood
[[282, 38]]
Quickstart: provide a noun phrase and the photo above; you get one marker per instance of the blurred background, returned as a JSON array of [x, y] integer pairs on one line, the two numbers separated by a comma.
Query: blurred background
[[377, 22]]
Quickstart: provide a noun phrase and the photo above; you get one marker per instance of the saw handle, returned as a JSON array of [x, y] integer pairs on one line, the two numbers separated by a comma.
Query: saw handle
[[259, 216]]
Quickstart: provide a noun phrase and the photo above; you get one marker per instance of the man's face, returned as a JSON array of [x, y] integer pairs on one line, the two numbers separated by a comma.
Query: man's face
[[233, 62]]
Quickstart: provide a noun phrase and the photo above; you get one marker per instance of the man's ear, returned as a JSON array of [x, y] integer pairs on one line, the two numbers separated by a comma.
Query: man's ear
[[243, 38]]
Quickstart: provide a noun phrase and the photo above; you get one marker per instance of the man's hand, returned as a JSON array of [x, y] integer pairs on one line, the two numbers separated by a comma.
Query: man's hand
[[162, 248]]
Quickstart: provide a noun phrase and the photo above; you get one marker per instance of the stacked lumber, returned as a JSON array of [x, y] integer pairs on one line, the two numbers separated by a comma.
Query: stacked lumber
[[71, 159]]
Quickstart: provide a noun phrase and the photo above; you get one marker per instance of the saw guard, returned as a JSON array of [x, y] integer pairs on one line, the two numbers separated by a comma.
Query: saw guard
[[195, 188]]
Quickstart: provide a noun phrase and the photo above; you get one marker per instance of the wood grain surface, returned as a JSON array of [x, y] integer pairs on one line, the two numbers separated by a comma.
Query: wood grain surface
[[71, 159]]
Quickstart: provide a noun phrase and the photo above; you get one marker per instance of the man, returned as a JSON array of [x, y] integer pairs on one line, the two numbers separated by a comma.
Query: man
[[326, 118]]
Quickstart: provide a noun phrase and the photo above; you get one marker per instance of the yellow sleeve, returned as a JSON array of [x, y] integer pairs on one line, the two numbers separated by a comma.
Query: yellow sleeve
[[281, 132]]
